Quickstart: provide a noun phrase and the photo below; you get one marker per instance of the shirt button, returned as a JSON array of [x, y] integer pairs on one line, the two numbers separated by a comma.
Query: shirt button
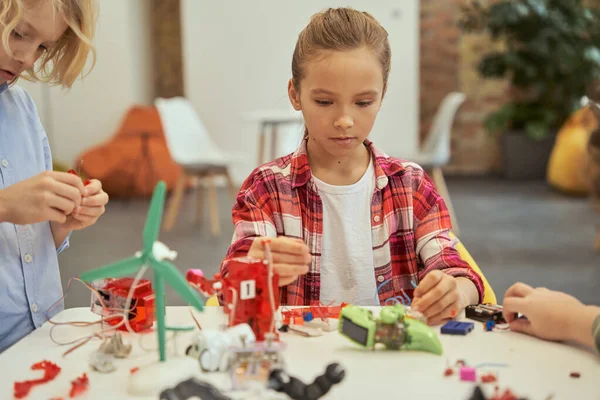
[[376, 218], [5, 163], [380, 278], [28, 258], [34, 307]]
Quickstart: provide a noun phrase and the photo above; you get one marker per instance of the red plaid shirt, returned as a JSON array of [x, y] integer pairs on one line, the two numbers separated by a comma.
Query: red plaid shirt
[[410, 224]]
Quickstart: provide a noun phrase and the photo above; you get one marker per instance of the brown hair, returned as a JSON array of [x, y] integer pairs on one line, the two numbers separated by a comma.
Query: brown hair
[[65, 61], [340, 29]]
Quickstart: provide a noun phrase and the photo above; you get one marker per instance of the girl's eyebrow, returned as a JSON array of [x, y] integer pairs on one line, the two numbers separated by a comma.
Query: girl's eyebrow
[[325, 91]]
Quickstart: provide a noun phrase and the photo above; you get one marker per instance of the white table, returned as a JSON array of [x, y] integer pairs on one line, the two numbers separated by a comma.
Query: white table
[[271, 119], [536, 368]]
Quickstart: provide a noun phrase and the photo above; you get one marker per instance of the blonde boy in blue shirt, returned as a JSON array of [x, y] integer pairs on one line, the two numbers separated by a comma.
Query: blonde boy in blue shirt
[[39, 208]]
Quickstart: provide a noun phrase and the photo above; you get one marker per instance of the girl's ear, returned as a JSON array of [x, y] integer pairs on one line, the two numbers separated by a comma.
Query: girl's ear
[[294, 95]]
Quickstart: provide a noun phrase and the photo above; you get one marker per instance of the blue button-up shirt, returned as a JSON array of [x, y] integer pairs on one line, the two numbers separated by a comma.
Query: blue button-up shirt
[[29, 276]]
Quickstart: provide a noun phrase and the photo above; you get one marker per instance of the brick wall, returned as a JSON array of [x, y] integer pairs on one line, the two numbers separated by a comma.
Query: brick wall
[[448, 63]]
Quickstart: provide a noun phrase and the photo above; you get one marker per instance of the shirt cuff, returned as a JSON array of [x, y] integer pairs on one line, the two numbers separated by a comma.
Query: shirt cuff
[[65, 244]]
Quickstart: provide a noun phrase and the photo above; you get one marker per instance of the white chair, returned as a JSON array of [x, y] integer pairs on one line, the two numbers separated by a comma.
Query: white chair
[[435, 151], [192, 148]]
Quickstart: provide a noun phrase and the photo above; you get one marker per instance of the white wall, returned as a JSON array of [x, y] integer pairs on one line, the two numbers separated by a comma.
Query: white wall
[[238, 59], [92, 110]]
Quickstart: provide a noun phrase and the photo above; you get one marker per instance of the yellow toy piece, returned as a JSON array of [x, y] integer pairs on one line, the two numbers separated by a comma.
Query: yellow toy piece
[[568, 166], [212, 301], [489, 295]]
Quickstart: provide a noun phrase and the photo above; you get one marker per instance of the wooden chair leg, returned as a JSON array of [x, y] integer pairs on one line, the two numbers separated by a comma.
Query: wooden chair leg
[[233, 190], [440, 183], [175, 203], [213, 206], [200, 194], [261, 144]]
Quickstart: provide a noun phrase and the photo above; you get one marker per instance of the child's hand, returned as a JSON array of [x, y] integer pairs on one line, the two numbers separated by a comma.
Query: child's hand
[[91, 208], [49, 196], [291, 257], [438, 297], [549, 315]]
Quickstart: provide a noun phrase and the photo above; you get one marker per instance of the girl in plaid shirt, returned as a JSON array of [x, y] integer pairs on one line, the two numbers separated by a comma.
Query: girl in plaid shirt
[[346, 221]]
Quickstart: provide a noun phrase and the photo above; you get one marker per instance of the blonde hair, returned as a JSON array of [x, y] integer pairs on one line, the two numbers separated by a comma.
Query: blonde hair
[[340, 29], [63, 63]]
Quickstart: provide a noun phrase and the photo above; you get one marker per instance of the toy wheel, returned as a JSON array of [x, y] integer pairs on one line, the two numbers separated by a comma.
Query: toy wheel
[[208, 361], [192, 350]]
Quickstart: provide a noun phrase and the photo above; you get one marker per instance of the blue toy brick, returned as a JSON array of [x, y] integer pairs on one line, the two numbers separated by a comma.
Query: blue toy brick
[[457, 328], [308, 316]]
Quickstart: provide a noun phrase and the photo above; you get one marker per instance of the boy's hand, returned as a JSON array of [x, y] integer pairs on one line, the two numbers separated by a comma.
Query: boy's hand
[[438, 297], [291, 257], [91, 208], [549, 315], [49, 196]]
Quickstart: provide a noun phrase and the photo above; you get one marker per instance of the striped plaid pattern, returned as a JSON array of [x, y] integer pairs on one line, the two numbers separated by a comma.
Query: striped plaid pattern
[[410, 224]]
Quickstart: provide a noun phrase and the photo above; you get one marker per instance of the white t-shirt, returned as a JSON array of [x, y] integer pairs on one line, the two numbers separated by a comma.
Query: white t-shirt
[[347, 271]]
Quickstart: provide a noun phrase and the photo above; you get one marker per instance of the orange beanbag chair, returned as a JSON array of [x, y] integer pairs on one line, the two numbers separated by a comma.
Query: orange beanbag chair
[[135, 159]]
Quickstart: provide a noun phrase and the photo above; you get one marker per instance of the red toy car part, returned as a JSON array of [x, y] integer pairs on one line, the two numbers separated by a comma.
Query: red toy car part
[[51, 370], [114, 294]]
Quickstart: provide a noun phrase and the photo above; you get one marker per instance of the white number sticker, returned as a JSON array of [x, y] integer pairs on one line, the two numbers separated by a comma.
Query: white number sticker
[[247, 290]]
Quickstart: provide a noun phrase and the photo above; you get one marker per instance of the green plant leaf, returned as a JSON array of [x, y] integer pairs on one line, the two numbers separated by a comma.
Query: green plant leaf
[[537, 130]]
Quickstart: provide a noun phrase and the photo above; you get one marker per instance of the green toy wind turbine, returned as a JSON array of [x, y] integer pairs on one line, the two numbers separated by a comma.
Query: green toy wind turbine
[[153, 255]]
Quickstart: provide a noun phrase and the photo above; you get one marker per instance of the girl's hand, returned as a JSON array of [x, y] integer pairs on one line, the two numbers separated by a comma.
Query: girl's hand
[[438, 297], [291, 257]]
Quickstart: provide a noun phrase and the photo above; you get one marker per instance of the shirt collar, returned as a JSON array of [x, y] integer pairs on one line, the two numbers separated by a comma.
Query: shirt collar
[[385, 166]]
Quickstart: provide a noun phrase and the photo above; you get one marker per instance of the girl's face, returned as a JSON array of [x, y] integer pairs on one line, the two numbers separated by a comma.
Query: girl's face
[[340, 97], [38, 30]]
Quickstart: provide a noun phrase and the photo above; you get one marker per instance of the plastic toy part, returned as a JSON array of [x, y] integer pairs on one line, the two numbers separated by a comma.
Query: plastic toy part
[[468, 374], [485, 312], [392, 329], [210, 347], [73, 172], [51, 370], [192, 388], [114, 293], [448, 372], [575, 375], [253, 364], [489, 378], [457, 328], [281, 382], [79, 386], [489, 325], [245, 293]]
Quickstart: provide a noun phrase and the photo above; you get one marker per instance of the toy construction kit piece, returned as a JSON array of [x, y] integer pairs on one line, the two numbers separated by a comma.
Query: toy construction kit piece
[[248, 295], [281, 382], [51, 370], [485, 312], [111, 348], [211, 347], [253, 364], [394, 329], [79, 386], [457, 328], [114, 294], [154, 256], [192, 388]]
